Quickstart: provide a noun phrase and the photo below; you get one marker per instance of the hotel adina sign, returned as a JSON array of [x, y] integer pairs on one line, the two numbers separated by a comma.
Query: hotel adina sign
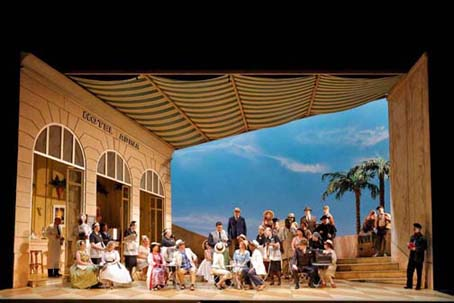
[[108, 128]]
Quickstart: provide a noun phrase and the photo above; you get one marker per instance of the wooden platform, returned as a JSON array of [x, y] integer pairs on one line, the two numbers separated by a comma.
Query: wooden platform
[[345, 291]]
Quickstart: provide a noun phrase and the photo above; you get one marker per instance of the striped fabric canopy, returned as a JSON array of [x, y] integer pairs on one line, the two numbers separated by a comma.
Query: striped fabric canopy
[[186, 113]]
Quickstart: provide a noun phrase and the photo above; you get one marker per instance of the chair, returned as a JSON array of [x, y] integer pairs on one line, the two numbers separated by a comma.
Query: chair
[[36, 261]]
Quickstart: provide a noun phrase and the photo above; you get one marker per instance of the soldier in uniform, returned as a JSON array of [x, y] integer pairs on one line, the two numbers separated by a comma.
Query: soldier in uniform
[[417, 247], [308, 219]]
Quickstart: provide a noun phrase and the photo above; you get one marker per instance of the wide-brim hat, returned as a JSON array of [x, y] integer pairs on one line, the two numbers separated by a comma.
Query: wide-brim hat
[[291, 215], [268, 211], [330, 243], [307, 208], [153, 244], [219, 247], [179, 242], [324, 217], [254, 243], [242, 236]]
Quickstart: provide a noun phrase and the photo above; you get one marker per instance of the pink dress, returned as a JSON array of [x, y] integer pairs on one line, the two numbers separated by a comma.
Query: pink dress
[[158, 272]]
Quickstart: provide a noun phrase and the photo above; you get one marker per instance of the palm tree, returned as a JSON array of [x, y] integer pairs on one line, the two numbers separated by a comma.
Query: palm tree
[[380, 167], [355, 181]]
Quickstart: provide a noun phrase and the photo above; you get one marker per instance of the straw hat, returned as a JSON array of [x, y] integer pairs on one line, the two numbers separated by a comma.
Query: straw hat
[[179, 242], [268, 211], [219, 247], [153, 244], [254, 243], [330, 243]]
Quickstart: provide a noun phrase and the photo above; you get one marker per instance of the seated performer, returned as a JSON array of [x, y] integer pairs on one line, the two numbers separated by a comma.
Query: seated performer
[[302, 262], [205, 267], [251, 275], [84, 274], [142, 257], [327, 274], [185, 263], [218, 267], [241, 258], [113, 272], [156, 274]]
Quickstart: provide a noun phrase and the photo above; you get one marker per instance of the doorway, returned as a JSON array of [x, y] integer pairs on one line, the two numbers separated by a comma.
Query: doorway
[[113, 191], [151, 206], [57, 189]]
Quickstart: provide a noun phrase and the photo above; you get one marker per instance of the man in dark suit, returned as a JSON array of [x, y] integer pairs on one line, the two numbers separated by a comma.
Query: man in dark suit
[[308, 219], [417, 247], [236, 227], [326, 230]]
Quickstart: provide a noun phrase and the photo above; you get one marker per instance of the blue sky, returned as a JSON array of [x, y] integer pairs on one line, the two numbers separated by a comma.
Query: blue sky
[[278, 168]]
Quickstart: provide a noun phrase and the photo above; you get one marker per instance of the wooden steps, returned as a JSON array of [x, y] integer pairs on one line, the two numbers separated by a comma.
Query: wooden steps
[[371, 269]]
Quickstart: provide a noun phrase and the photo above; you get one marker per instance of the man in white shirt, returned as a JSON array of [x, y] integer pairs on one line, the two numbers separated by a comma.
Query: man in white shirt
[[257, 268]]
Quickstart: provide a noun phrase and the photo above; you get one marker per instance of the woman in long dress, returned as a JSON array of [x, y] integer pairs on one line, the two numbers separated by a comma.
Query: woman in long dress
[[113, 272], [142, 257], [205, 267], [327, 274], [156, 274], [84, 273]]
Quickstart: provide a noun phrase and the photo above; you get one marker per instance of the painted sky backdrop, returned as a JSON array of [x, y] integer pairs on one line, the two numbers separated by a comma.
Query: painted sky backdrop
[[280, 169]]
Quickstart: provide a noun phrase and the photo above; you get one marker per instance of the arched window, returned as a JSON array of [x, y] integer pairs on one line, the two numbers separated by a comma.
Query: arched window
[[112, 166], [151, 183], [59, 143]]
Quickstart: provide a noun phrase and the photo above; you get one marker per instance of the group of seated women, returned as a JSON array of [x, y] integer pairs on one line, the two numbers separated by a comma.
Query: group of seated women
[[111, 272]]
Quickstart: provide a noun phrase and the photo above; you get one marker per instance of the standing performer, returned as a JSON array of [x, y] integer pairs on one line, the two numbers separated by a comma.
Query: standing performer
[[237, 227], [308, 219], [131, 247], [417, 247], [54, 242]]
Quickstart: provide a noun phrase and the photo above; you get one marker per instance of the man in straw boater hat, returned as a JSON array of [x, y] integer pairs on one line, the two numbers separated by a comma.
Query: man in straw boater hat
[[417, 247], [185, 263], [308, 219], [251, 275], [218, 266], [236, 227]]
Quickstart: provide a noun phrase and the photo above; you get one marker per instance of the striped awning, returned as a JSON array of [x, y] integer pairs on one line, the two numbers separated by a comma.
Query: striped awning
[[185, 113]]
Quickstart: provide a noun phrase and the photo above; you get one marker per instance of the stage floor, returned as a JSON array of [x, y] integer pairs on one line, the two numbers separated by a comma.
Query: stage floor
[[345, 291]]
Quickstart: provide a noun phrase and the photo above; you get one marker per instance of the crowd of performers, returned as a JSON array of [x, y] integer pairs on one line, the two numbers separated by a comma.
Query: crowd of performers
[[280, 250]]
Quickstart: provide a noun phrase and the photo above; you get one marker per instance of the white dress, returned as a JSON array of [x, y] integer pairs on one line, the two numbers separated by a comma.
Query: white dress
[[142, 263], [113, 270], [205, 268]]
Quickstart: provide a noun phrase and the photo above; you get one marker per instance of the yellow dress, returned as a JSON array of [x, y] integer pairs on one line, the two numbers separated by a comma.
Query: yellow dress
[[83, 276]]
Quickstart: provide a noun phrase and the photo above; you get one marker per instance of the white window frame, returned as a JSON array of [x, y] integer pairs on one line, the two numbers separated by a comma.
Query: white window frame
[[125, 167], [144, 175]]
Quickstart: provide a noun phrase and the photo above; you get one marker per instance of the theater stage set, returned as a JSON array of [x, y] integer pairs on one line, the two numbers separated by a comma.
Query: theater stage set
[[111, 134]]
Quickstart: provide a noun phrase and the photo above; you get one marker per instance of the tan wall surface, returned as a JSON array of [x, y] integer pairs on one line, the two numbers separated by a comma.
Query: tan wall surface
[[47, 96], [410, 164], [193, 240]]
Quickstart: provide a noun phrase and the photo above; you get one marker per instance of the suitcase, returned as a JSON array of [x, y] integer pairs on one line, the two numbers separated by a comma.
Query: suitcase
[[366, 245]]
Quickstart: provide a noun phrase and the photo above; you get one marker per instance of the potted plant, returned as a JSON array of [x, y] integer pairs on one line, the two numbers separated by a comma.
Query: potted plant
[[59, 185]]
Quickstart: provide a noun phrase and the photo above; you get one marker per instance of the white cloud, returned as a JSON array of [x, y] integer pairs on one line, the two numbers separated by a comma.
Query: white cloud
[[299, 167], [244, 146], [345, 136]]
